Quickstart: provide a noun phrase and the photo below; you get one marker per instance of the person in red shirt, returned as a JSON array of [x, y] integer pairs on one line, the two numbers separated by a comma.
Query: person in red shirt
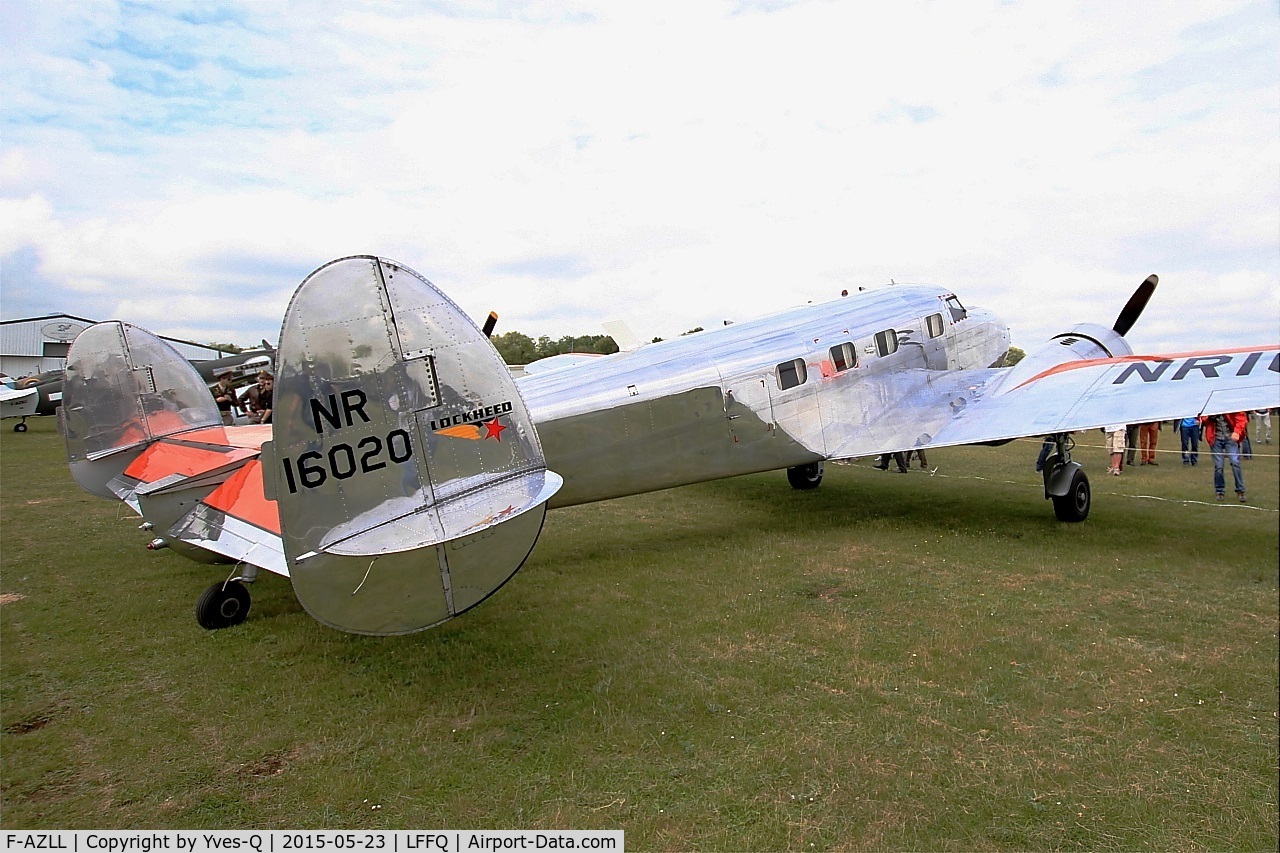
[[1223, 433]]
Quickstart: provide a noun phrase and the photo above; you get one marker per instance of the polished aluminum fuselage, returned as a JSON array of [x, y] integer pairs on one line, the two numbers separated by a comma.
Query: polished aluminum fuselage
[[713, 404]]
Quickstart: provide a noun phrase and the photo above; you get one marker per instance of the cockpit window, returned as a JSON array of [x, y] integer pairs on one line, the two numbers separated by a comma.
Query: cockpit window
[[843, 357], [792, 373], [958, 311]]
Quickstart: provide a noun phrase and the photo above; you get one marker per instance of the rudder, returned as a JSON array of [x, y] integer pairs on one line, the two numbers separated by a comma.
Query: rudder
[[409, 476]]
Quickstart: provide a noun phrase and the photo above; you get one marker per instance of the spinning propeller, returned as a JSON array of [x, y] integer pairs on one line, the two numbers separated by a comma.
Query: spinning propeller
[[1133, 308]]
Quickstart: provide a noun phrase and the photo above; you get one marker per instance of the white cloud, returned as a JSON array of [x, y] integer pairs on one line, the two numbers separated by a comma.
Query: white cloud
[[672, 163]]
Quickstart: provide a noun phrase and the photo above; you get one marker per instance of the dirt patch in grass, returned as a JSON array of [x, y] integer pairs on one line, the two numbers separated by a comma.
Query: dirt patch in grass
[[10, 597], [272, 764], [32, 723]]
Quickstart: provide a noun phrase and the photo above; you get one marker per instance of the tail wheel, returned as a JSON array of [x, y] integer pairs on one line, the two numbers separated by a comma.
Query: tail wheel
[[1074, 505], [222, 605], [805, 477]]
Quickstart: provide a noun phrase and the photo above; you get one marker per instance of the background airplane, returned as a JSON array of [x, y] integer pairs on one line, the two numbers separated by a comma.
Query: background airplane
[[15, 403], [46, 398], [406, 475]]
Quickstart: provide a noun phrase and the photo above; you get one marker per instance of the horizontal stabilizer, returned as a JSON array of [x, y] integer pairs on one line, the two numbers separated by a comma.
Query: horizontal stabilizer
[[237, 521]]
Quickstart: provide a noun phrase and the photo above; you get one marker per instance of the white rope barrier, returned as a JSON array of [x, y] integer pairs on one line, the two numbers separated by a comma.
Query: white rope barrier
[[935, 472]]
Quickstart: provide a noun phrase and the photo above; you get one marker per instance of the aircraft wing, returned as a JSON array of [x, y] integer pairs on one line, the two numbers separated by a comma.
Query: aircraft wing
[[978, 406], [18, 403], [558, 362]]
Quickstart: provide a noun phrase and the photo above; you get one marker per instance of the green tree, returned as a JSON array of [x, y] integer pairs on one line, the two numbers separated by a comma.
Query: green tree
[[518, 348], [515, 347], [1013, 356]]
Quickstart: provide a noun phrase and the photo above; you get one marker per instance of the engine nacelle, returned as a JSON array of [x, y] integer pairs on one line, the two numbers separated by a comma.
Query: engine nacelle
[[1081, 342]]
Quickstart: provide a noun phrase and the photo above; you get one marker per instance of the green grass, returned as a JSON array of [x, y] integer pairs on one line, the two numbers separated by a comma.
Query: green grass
[[888, 662]]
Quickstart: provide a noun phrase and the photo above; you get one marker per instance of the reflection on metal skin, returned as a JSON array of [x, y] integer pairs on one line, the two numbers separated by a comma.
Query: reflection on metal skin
[[712, 405], [408, 474], [124, 387]]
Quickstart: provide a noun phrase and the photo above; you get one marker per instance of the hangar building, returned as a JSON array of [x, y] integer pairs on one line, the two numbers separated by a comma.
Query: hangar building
[[39, 344]]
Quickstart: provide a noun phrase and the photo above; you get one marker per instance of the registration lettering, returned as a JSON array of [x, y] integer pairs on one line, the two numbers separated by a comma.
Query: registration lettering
[[1207, 366], [342, 461]]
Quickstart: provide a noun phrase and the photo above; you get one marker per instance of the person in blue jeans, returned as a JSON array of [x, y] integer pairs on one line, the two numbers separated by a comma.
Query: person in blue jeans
[[1189, 429], [1223, 433]]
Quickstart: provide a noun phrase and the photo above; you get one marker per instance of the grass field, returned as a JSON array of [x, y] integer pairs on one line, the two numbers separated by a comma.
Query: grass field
[[888, 662]]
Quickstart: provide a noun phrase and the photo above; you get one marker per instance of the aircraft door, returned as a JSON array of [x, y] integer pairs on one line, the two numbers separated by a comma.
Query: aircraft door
[[935, 354], [748, 407]]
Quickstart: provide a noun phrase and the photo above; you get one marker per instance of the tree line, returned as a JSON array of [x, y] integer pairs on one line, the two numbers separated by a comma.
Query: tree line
[[519, 348]]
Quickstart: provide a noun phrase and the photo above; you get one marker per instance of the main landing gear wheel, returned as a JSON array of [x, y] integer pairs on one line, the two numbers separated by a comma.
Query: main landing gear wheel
[[222, 605], [1074, 505], [22, 427], [805, 476]]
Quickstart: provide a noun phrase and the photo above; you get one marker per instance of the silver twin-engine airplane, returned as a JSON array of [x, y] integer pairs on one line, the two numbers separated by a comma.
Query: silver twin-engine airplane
[[406, 475]]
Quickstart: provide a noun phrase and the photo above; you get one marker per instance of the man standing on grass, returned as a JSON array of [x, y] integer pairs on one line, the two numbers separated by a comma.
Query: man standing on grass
[[1148, 435], [1222, 433], [1189, 430], [1263, 417], [1115, 447]]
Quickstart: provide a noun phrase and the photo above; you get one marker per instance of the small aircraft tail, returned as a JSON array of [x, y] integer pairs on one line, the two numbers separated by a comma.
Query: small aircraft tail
[[124, 388], [409, 477]]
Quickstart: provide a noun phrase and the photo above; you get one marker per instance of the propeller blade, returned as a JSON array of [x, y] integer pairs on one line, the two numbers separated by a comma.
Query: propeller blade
[[1133, 308], [490, 323]]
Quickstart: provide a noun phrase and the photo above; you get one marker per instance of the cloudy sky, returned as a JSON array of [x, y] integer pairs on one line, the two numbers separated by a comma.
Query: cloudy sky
[[184, 166]]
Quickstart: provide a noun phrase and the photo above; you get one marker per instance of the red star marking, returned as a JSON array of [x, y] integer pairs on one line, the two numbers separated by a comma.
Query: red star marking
[[493, 429]]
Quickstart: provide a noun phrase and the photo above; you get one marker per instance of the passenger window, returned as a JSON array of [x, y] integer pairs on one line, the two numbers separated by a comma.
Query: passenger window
[[886, 342], [934, 324], [843, 357], [957, 310], [792, 373]]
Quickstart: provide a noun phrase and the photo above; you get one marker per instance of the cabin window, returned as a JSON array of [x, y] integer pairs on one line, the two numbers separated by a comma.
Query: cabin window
[[843, 357], [933, 323], [886, 342], [792, 373], [958, 311]]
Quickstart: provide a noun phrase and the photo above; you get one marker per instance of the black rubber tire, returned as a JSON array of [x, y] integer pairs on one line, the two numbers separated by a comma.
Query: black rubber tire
[[805, 477], [222, 605], [19, 427], [1073, 507]]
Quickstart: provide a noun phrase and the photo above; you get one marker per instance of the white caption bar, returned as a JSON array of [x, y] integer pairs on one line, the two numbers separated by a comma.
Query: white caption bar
[[332, 841]]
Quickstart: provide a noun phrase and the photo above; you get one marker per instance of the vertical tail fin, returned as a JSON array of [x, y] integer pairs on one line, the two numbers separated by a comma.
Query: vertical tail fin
[[124, 388], [409, 476]]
